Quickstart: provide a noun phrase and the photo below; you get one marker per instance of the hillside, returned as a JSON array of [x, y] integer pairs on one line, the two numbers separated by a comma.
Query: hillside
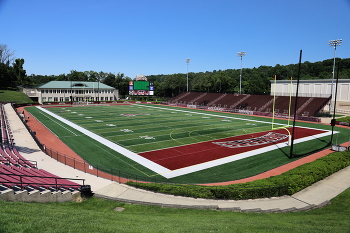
[[14, 96]]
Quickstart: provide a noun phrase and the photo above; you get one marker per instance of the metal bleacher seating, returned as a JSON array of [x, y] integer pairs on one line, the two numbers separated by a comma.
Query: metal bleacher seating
[[207, 98], [18, 174], [189, 98], [259, 103]]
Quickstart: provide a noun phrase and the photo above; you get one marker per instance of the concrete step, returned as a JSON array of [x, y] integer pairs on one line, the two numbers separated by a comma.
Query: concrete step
[[37, 196]]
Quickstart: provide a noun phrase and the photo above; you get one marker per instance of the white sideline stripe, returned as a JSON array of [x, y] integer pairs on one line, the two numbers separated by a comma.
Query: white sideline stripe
[[208, 114], [61, 126], [183, 171], [213, 163], [131, 155]]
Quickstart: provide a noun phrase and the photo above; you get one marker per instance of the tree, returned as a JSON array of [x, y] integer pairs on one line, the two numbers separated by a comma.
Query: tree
[[101, 75], [77, 76], [110, 80], [92, 76], [6, 76], [222, 82], [7, 56], [201, 81], [174, 84], [118, 81], [20, 73], [256, 86], [38, 80]]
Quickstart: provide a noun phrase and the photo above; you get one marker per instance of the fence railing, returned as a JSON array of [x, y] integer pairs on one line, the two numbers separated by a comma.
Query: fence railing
[[124, 177], [112, 174], [186, 190], [22, 183]]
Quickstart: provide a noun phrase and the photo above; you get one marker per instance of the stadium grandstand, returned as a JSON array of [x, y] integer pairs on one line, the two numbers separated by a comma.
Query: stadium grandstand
[[255, 104], [21, 180]]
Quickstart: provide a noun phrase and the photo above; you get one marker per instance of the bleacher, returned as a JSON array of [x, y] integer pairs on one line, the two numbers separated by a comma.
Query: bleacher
[[307, 106], [189, 98], [20, 176], [255, 102], [177, 98], [282, 104], [207, 98], [229, 100], [315, 105]]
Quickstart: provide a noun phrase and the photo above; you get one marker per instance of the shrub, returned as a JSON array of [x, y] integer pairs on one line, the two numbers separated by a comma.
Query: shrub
[[344, 119], [287, 183]]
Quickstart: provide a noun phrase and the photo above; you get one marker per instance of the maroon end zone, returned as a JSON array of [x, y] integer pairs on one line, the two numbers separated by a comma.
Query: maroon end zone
[[184, 156]]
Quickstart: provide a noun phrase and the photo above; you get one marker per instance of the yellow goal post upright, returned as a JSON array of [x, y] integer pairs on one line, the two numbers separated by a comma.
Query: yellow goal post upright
[[289, 108]]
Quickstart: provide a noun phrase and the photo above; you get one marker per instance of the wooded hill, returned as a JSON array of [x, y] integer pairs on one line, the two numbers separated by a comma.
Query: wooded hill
[[254, 80]]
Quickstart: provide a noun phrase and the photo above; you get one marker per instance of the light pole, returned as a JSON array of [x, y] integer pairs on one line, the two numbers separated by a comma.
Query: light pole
[[71, 91], [98, 90], [334, 44], [240, 54], [187, 61]]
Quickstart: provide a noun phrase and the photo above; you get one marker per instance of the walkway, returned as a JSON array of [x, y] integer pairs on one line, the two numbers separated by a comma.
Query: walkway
[[314, 196]]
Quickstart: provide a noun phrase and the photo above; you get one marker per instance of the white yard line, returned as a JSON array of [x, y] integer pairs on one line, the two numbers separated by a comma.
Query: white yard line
[[167, 173], [127, 153], [209, 114], [213, 163]]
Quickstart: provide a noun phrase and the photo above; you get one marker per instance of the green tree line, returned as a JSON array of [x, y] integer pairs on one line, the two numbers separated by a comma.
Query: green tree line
[[12, 73], [254, 80]]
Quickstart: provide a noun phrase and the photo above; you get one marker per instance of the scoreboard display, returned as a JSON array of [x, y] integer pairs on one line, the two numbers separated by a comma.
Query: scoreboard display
[[141, 88]]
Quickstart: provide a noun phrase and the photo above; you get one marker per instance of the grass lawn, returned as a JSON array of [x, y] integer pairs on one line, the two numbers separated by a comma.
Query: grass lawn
[[344, 119], [14, 96], [97, 215], [128, 125]]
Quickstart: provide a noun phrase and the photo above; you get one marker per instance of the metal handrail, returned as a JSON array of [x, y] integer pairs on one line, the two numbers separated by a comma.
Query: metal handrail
[[23, 183]]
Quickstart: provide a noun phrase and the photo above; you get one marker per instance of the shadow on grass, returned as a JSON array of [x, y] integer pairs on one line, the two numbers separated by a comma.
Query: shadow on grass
[[286, 150], [313, 151]]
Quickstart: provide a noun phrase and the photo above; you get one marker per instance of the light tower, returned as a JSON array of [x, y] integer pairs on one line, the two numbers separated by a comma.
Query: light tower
[[240, 54], [334, 44], [187, 61]]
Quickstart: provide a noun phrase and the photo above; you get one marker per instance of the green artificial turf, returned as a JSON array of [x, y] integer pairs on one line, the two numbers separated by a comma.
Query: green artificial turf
[[128, 125]]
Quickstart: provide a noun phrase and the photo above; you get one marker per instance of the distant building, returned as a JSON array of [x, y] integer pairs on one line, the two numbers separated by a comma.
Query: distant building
[[312, 88], [77, 91]]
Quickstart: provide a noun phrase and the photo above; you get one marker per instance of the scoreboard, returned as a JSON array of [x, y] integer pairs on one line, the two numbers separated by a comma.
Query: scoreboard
[[141, 88]]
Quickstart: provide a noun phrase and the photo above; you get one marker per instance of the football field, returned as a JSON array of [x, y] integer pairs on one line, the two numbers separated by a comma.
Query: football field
[[179, 144]]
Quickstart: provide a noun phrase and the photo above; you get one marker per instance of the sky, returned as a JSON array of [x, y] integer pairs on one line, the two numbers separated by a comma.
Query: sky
[[153, 37]]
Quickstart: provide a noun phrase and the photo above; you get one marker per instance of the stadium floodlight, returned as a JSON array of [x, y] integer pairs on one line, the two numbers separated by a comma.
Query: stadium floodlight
[[334, 44], [187, 61], [240, 54]]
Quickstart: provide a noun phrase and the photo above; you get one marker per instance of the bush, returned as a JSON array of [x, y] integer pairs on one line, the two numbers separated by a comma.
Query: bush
[[287, 183], [344, 119]]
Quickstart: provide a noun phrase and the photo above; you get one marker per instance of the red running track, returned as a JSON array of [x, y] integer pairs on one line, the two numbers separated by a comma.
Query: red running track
[[188, 155]]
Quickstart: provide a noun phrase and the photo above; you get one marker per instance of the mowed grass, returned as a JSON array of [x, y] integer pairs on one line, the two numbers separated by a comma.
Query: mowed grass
[[141, 128], [98, 215], [14, 96]]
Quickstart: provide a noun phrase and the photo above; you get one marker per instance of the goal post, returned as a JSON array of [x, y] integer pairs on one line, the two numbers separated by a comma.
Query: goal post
[[289, 110], [274, 105]]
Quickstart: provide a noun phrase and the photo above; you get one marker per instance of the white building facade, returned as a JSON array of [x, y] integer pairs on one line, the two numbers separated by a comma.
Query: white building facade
[[75, 91], [312, 88]]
